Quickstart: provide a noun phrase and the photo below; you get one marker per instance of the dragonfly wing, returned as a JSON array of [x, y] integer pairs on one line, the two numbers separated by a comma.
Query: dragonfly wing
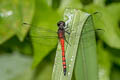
[[41, 28], [42, 35], [85, 32], [43, 40]]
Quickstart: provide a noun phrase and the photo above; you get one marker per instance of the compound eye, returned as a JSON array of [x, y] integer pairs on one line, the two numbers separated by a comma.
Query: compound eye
[[58, 24], [61, 23]]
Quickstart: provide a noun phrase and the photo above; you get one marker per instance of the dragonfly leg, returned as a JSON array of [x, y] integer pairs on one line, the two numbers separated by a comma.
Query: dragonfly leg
[[67, 32], [66, 40], [67, 29]]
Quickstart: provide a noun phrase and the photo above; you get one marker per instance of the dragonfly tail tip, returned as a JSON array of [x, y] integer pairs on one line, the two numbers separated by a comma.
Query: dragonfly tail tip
[[64, 72]]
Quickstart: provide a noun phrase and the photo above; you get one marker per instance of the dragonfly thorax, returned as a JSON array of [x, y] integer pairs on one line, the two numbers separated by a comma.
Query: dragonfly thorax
[[61, 33], [61, 24]]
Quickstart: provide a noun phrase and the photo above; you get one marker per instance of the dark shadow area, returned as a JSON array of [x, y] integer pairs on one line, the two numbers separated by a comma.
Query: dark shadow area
[[108, 2], [114, 52], [115, 72], [56, 4], [119, 24], [86, 2], [47, 61], [13, 44], [73, 75]]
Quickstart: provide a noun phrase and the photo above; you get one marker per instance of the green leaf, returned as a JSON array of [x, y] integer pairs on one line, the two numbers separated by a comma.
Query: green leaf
[[99, 2], [70, 4], [6, 21], [108, 20], [86, 61], [12, 15], [104, 60], [24, 13], [45, 17], [77, 21]]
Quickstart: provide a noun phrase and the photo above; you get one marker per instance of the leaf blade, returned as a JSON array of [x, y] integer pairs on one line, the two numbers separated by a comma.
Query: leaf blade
[[86, 62], [76, 20]]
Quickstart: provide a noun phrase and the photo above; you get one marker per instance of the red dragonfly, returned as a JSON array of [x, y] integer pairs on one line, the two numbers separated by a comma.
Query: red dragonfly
[[62, 38]]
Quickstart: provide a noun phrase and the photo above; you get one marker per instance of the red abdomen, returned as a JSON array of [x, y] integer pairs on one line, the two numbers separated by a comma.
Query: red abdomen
[[63, 55]]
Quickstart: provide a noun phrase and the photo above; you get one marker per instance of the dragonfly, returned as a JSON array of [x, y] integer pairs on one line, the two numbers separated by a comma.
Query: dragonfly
[[60, 34]]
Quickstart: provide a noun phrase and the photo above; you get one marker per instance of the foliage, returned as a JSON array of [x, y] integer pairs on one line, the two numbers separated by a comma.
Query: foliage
[[81, 38], [15, 37]]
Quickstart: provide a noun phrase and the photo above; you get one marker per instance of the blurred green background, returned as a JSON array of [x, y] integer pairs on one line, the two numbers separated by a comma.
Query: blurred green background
[[23, 59]]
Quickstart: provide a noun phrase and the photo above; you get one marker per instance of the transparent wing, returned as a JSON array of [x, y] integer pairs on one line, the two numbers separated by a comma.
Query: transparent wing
[[83, 33], [42, 34], [41, 28], [97, 31], [38, 33]]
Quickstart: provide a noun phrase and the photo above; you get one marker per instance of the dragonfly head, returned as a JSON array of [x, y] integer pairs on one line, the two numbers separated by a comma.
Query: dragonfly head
[[61, 24]]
